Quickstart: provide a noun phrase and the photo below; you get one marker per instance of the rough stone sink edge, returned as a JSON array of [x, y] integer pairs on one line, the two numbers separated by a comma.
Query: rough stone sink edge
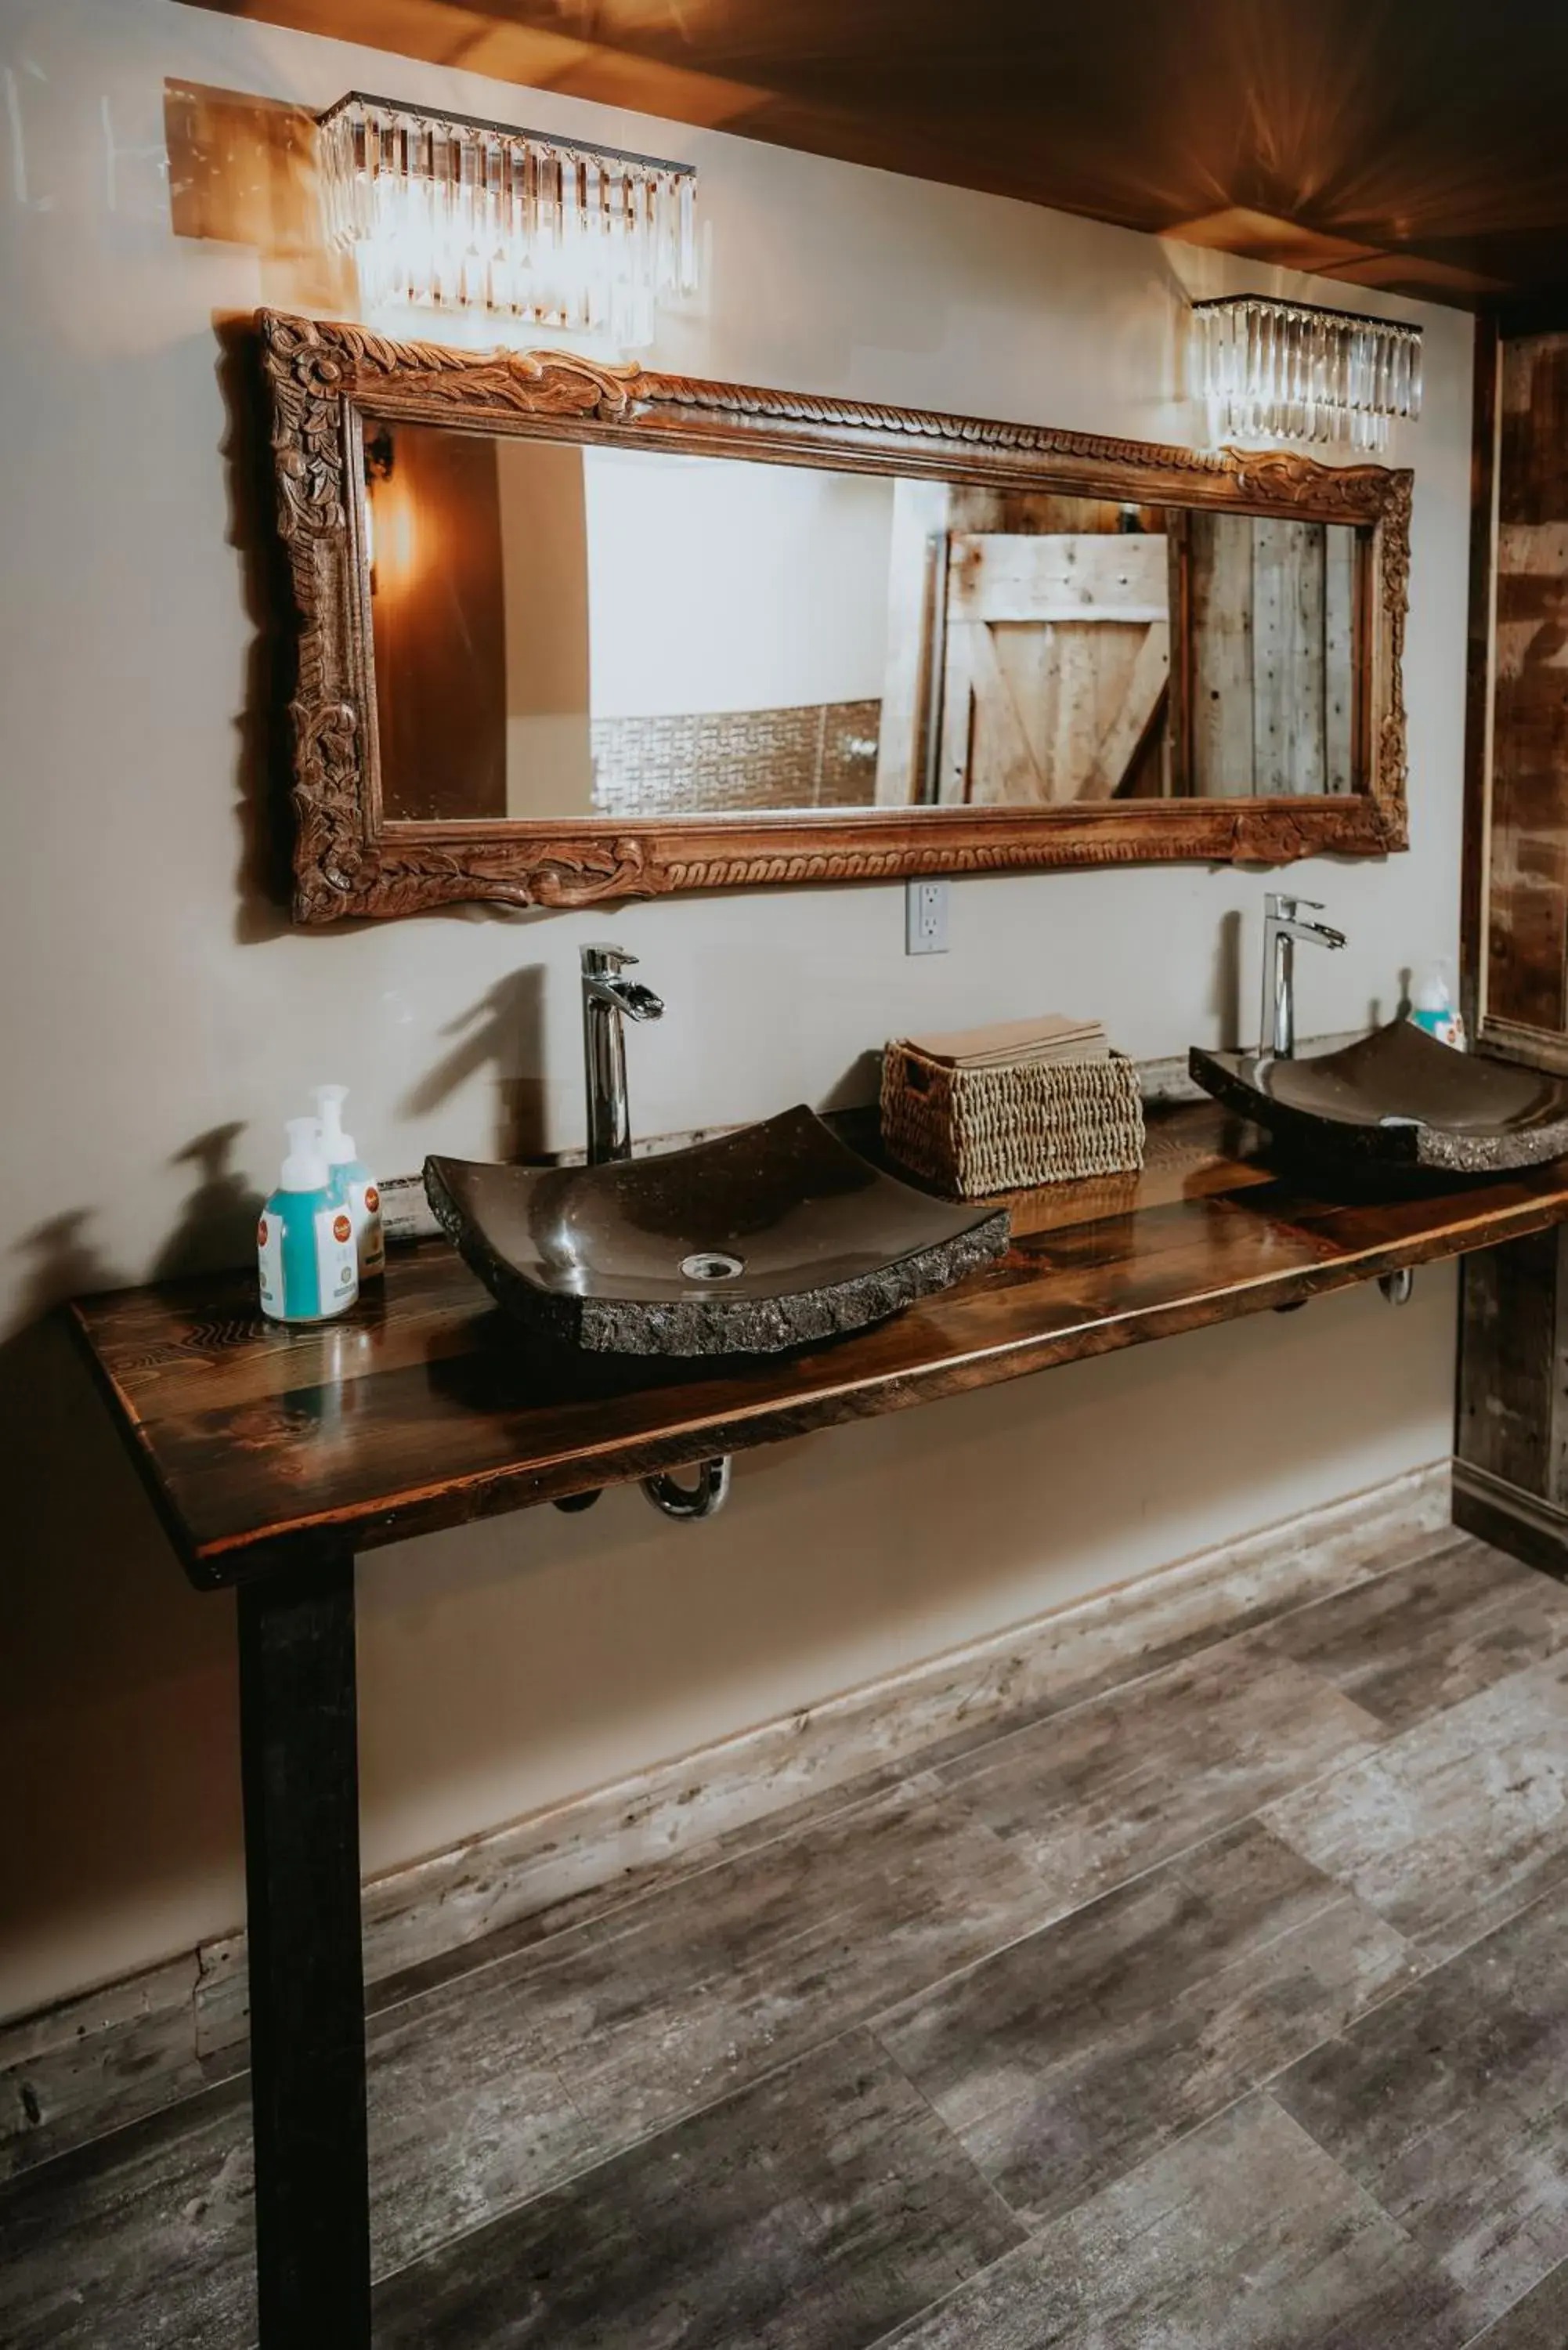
[[717, 1325], [1431, 1148]]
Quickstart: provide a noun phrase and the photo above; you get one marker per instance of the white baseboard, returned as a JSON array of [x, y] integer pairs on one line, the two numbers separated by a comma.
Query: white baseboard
[[98, 2059]]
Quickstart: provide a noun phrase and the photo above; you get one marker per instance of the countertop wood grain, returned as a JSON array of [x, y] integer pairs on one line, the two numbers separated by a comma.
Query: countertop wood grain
[[423, 1409]]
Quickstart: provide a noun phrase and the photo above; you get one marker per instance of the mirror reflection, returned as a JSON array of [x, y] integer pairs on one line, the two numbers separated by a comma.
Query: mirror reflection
[[566, 632]]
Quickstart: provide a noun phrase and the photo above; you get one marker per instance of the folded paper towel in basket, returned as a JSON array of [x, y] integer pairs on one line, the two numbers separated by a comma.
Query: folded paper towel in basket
[[1050, 1037]]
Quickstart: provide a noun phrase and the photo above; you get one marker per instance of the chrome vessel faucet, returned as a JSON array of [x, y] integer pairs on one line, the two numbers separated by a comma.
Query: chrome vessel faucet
[[607, 999], [1282, 929]]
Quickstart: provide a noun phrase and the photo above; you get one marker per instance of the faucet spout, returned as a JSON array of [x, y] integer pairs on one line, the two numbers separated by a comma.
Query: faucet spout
[[625, 995], [1282, 927]]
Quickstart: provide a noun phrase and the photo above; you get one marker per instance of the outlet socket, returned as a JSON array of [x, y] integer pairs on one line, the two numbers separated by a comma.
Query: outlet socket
[[926, 918]]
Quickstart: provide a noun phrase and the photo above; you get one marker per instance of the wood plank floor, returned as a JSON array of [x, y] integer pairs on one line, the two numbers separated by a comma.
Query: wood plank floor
[[1219, 2008]]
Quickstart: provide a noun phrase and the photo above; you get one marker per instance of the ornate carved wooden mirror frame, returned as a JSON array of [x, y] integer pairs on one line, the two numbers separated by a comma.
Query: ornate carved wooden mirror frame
[[350, 858]]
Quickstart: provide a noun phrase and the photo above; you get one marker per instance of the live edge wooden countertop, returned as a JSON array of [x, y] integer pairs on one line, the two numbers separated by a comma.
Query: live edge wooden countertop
[[422, 1408]]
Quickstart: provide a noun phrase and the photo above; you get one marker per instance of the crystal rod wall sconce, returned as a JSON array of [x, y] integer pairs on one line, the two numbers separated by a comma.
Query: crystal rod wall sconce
[[445, 212], [1275, 370]]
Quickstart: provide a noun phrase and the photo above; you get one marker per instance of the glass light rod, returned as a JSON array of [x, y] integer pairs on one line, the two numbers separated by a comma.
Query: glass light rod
[[1274, 370], [446, 210]]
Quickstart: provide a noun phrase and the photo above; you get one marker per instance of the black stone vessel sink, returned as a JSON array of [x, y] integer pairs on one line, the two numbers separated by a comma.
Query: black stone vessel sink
[[767, 1238], [1397, 1099]]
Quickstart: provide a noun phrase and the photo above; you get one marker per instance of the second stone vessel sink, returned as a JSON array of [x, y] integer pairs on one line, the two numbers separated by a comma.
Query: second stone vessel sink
[[769, 1237], [1397, 1099]]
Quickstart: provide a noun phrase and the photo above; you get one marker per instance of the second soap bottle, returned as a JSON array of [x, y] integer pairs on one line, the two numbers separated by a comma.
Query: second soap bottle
[[354, 1181]]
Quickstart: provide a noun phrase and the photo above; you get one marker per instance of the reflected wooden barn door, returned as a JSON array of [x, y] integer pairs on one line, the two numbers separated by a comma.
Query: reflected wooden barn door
[[1055, 665]]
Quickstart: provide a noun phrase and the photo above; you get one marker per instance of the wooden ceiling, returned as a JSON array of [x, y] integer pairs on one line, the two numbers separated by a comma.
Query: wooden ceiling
[[1420, 145]]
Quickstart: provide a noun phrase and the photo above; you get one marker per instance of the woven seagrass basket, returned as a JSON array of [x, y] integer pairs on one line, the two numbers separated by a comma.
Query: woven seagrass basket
[[974, 1131]]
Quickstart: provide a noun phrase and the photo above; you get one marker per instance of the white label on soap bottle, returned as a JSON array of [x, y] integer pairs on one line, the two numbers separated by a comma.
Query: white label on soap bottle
[[365, 1207], [337, 1263], [269, 1258]]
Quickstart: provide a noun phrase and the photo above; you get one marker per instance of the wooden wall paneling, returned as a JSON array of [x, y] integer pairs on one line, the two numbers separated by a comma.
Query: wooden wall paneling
[[1287, 657], [1510, 1470], [1527, 894], [1510, 1467], [1478, 672], [1339, 565], [1221, 591], [1510, 1322], [1177, 764]]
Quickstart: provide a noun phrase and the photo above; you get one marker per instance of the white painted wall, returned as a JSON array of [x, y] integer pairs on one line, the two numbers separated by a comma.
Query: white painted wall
[[769, 584], [154, 995]]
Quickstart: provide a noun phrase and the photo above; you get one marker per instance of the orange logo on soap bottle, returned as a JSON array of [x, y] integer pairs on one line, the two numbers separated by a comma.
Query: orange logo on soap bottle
[[342, 1228], [372, 1198], [261, 1233]]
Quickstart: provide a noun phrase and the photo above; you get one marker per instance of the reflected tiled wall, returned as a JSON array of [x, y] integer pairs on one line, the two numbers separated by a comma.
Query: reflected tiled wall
[[818, 755]]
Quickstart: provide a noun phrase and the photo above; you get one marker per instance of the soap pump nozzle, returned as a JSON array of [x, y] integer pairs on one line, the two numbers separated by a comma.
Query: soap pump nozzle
[[337, 1147], [305, 1169]]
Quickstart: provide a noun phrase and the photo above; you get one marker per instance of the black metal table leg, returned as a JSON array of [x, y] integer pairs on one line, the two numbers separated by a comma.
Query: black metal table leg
[[297, 1720]]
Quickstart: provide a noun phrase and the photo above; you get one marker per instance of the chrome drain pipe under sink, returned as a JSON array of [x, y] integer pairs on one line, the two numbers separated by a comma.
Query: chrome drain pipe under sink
[[704, 1500]]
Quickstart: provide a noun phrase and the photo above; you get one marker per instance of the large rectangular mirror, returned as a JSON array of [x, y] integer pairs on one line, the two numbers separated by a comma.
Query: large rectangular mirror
[[592, 633], [831, 639]]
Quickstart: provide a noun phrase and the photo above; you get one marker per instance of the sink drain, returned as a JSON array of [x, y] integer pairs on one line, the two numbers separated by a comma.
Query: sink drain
[[711, 1265]]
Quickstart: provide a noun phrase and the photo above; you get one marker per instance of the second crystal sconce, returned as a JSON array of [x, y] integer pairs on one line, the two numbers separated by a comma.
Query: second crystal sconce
[[1274, 370], [444, 212]]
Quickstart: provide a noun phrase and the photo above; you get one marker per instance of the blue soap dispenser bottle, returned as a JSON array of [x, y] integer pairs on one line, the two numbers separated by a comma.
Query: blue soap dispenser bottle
[[1432, 1006], [353, 1181], [305, 1240]]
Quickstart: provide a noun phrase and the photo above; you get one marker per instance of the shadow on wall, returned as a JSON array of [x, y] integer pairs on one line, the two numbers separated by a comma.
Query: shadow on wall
[[63, 1261], [217, 1223], [1226, 1001], [263, 878], [504, 1032]]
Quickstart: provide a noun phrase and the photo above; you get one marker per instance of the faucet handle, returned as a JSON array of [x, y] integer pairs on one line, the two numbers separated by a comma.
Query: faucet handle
[[1283, 908], [600, 958]]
